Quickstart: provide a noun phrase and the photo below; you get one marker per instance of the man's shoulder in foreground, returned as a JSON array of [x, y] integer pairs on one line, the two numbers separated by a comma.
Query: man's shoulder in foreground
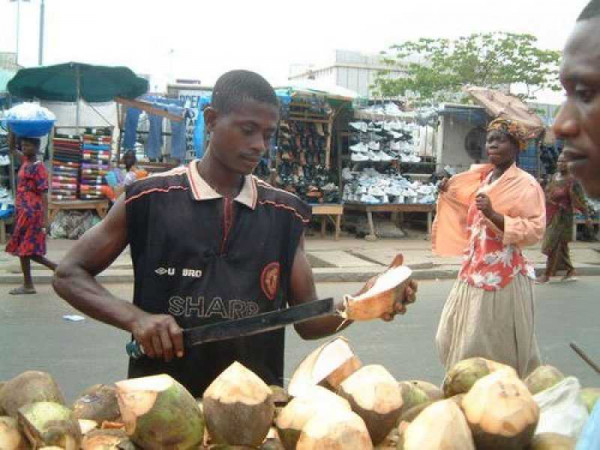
[[273, 197], [174, 179]]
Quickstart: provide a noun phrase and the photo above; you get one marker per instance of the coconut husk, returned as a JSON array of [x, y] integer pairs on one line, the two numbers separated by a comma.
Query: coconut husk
[[292, 419], [441, 425], [10, 435], [375, 396], [463, 375], [380, 294], [107, 440], [501, 412], [98, 403], [49, 423], [552, 441], [158, 412], [280, 395], [328, 366], [29, 387], [590, 396], [238, 407], [542, 378], [338, 429]]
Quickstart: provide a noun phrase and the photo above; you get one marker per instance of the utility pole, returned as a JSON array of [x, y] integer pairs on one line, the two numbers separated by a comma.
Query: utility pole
[[18, 26], [41, 46]]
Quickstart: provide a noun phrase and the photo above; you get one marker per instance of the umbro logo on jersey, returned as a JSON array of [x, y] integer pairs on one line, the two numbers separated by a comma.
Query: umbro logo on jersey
[[165, 271], [192, 273]]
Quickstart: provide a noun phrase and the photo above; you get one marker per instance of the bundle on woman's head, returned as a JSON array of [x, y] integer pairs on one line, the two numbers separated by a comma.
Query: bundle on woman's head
[[591, 11]]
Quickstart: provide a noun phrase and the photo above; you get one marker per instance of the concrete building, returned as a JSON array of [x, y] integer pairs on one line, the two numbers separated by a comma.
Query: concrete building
[[352, 70]]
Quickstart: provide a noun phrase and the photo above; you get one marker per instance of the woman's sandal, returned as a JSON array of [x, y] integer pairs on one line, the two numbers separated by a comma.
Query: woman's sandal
[[22, 290]]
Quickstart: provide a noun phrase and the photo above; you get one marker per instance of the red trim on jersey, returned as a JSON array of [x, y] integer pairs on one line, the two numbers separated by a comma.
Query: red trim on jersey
[[141, 194], [289, 208]]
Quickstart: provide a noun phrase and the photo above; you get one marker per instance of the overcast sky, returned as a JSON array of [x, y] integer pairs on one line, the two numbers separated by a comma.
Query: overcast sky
[[202, 39]]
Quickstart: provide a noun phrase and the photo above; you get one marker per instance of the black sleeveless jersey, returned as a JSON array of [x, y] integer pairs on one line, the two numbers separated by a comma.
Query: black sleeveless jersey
[[205, 259]]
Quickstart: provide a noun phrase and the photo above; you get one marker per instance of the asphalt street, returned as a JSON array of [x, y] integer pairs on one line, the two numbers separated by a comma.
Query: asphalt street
[[34, 335]]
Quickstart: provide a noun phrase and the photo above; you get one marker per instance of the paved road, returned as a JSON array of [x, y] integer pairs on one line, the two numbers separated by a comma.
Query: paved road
[[33, 335]]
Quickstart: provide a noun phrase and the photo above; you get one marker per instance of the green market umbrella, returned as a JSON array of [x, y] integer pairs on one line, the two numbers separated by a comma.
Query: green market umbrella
[[72, 81]]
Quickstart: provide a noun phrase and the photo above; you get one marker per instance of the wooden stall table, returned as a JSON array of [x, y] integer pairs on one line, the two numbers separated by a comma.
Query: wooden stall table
[[332, 212], [394, 209], [577, 221], [101, 207]]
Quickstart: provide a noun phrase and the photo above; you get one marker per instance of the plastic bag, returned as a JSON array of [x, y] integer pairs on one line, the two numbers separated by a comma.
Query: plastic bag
[[561, 409], [590, 437]]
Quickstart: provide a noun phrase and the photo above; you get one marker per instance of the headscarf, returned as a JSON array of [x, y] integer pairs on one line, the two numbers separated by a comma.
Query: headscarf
[[514, 129], [591, 11]]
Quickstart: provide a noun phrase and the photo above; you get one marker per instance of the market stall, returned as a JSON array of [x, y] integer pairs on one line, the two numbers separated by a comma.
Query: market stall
[[388, 163]]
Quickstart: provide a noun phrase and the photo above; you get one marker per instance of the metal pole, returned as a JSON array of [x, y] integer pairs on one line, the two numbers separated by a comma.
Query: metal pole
[[18, 29], [41, 46]]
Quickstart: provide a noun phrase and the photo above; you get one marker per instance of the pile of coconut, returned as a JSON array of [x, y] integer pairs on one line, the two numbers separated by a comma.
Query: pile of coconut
[[332, 402]]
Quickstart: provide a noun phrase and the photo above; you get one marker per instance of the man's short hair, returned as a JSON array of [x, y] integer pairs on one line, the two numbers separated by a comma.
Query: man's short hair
[[237, 86], [591, 11], [32, 140]]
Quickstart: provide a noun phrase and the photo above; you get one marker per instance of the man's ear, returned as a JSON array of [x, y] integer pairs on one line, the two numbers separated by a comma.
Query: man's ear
[[210, 118]]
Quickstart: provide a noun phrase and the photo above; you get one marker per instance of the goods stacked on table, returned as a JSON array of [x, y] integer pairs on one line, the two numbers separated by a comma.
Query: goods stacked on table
[[373, 187], [303, 150], [95, 163], [66, 162]]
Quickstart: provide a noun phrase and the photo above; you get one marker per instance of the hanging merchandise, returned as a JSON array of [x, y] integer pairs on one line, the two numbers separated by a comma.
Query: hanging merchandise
[[95, 163], [66, 162]]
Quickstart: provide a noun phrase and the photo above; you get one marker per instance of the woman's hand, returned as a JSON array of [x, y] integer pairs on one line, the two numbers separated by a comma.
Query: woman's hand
[[443, 186], [484, 204]]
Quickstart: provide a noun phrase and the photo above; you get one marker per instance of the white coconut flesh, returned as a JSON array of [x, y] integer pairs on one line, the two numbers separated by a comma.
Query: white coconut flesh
[[373, 388], [238, 384], [500, 404], [137, 396], [301, 409], [331, 357], [387, 281]]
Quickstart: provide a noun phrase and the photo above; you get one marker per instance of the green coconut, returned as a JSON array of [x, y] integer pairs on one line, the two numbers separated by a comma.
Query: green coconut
[[463, 375], [542, 378], [501, 412], [238, 407], [441, 425], [376, 397], [29, 387], [412, 395], [10, 435], [291, 420], [552, 441], [48, 423], [98, 403], [159, 413], [590, 396]]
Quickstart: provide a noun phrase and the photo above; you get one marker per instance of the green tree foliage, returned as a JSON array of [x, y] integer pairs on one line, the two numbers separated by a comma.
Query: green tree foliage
[[437, 69]]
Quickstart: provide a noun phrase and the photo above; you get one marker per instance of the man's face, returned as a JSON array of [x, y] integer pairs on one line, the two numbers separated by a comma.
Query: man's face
[[578, 121], [240, 138]]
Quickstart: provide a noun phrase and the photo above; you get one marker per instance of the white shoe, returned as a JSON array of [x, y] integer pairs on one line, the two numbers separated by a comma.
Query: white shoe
[[385, 157], [359, 157], [372, 156], [359, 126], [374, 145], [360, 147], [376, 191], [369, 199]]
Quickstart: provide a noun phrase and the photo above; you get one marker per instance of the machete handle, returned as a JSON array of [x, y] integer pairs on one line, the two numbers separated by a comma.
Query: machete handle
[[134, 350]]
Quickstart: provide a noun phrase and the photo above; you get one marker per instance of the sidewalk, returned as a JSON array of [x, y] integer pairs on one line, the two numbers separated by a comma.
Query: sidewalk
[[347, 260]]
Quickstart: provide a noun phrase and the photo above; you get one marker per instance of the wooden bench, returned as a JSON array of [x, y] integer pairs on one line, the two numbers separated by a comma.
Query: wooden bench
[[101, 207], [395, 210], [332, 212]]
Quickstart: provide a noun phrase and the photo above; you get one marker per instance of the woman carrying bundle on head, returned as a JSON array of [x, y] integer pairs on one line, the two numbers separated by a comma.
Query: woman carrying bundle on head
[[489, 214]]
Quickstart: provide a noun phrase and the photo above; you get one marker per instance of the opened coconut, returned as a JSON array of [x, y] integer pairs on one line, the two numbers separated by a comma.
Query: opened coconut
[[107, 440], [380, 295], [158, 412], [376, 397], [590, 396], [86, 425], [501, 412], [238, 407], [10, 436], [463, 375], [48, 423], [441, 425], [29, 387], [300, 410], [98, 403], [280, 395], [552, 441], [542, 378], [328, 365], [338, 429]]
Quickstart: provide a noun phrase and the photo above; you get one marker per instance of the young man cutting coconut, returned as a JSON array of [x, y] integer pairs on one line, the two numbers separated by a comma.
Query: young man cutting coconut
[[209, 243]]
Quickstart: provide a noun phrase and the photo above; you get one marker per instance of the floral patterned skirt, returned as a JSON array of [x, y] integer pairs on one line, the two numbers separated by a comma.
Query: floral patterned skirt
[[28, 238], [497, 325]]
